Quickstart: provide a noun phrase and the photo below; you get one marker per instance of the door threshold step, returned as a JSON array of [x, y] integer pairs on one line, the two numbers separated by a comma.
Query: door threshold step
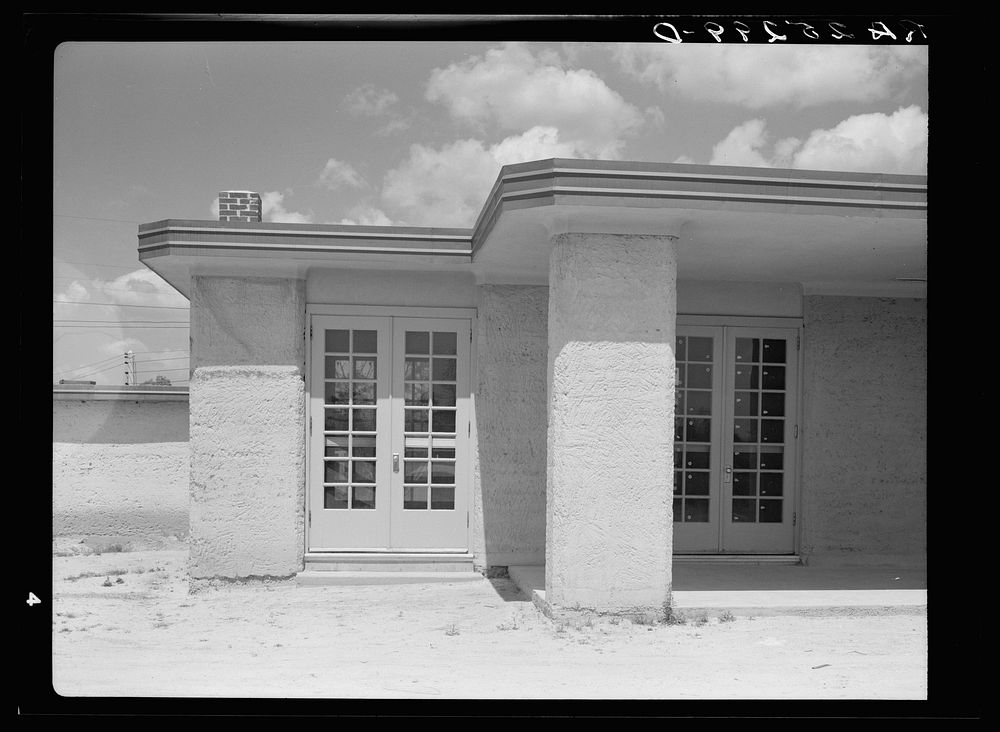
[[343, 578], [444, 563], [737, 559]]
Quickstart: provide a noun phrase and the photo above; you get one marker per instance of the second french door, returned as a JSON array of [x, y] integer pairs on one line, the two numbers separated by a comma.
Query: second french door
[[734, 439]]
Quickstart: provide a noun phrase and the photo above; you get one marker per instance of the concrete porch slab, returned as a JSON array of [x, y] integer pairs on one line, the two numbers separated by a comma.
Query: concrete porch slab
[[713, 589], [321, 578]]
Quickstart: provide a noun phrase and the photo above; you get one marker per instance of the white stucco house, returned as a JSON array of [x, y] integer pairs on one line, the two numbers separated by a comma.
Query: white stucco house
[[618, 364]]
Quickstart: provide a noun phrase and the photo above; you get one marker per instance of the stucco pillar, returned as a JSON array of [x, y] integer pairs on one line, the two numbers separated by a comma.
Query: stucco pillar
[[612, 313], [247, 430], [508, 520]]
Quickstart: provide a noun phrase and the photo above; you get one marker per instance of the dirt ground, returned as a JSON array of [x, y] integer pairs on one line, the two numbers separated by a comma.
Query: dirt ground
[[124, 624]]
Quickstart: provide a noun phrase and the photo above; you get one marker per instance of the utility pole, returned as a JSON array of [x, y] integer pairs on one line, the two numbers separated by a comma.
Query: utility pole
[[129, 368]]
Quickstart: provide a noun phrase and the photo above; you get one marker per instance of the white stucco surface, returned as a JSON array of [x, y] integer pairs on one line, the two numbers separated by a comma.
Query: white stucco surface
[[864, 480], [247, 471], [767, 299], [509, 467], [392, 287], [611, 385], [120, 468], [247, 320]]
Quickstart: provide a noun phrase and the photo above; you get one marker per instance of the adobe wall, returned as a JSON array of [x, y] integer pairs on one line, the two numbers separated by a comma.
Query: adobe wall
[[247, 472], [119, 468], [247, 321], [247, 427], [864, 480], [508, 505]]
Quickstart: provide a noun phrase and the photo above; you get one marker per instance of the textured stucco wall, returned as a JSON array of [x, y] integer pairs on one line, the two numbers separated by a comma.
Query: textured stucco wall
[[509, 466], [247, 471], [612, 302], [864, 482], [247, 321], [120, 468], [247, 427]]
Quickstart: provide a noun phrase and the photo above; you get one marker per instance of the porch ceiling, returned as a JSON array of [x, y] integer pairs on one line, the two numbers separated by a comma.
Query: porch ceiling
[[831, 232]]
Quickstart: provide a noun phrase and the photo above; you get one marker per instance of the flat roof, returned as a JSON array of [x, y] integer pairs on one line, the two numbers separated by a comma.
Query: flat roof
[[530, 201]]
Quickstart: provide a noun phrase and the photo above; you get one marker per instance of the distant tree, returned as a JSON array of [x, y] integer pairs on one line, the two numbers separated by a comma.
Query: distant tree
[[158, 381]]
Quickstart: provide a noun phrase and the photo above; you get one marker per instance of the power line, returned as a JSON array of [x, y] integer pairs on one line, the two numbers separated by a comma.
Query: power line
[[162, 360], [87, 369], [86, 365], [100, 371], [94, 218], [137, 353], [123, 305]]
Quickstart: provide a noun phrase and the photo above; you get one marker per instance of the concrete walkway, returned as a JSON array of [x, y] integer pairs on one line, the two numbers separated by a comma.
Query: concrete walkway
[[780, 589]]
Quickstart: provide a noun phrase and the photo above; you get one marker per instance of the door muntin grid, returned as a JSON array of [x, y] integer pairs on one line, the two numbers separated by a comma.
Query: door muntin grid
[[750, 418], [430, 403], [759, 447], [350, 419], [693, 415]]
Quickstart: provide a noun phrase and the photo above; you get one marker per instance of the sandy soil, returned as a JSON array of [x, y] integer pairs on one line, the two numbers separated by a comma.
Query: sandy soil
[[146, 635]]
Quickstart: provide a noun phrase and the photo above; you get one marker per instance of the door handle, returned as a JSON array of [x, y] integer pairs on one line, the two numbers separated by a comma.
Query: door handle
[[395, 462], [729, 474]]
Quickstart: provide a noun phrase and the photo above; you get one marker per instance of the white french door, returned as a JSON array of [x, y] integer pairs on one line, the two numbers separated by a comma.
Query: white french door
[[734, 440], [389, 432]]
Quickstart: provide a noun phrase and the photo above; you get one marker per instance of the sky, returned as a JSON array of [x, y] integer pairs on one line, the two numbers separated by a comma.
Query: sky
[[410, 133]]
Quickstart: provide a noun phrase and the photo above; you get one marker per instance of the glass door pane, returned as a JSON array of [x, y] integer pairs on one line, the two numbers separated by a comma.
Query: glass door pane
[[759, 440], [430, 434], [697, 431], [349, 433]]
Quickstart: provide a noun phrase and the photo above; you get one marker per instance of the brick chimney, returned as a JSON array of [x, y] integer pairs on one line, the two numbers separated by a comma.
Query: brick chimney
[[239, 206]]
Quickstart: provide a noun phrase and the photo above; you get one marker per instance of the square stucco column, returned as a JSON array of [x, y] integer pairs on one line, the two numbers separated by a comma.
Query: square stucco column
[[612, 315], [247, 427]]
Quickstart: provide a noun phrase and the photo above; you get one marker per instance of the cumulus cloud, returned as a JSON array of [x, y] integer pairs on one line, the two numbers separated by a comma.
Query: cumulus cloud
[[141, 287], [535, 144], [895, 143], [393, 126], [742, 146], [448, 186], [757, 76], [272, 208], [338, 174], [874, 143], [443, 187], [75, 292], [370, 101], [510, 88]]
